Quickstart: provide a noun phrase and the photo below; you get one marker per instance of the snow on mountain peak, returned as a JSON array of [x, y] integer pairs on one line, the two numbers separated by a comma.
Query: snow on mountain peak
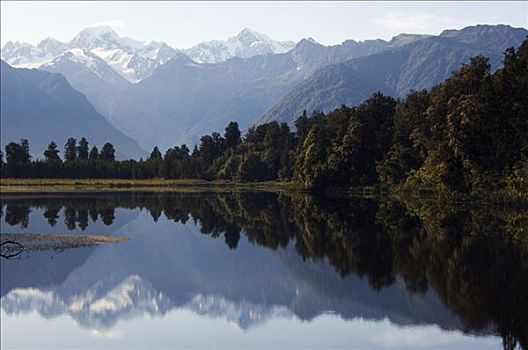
[[246, 43], [24, 55], [248, 36], [96, 36], [133, 59], [50, 43], [97, 31], [97, 309]]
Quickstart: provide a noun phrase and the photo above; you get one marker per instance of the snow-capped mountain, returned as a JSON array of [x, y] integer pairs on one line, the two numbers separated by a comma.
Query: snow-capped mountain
[[245, 44], [99, 308], [24, 55], [134, 60], [87, 59], [103, 306]]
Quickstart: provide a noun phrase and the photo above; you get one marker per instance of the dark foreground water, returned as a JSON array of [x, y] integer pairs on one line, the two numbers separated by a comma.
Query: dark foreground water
[[263, 270]]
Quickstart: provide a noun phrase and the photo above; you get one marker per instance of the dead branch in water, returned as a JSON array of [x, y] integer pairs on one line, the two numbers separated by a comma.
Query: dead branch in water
[[10, 249]]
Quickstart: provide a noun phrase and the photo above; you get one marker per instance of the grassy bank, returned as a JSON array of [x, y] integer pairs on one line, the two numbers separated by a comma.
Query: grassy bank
[[161, 185], [13, 186]]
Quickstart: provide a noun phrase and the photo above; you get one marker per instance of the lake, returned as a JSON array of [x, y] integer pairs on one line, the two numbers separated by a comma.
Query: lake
[[264, 270]]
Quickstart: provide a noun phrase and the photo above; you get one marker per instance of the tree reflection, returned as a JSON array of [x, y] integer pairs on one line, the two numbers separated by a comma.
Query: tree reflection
[[17, 215], [475, 259], [69, 218], [52, 214]]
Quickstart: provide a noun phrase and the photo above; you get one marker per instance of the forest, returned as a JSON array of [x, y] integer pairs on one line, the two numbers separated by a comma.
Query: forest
[[467, 135]]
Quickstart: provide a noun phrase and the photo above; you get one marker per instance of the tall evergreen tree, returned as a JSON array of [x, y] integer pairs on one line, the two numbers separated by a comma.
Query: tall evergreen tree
[[207, 149], [94, 153], [70, 150], [51, 154], [107, 152], [219, 143], [184, 149], [303, 125], [18, 153], [405, 154], [310, 166], [232, 135], [83, 149], [155, 154]]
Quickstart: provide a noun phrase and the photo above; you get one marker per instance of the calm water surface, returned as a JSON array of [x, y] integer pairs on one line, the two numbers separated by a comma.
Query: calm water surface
[[264, 270]]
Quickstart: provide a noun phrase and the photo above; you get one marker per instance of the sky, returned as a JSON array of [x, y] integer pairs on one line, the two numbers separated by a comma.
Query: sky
[[184, 24]]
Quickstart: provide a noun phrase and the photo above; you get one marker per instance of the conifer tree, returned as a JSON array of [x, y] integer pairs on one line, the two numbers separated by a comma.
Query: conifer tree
[[155, 154], [70, 150], [83, 149], [94, 153], [232, 135], [108, 152], [18, 153], [51, 154]]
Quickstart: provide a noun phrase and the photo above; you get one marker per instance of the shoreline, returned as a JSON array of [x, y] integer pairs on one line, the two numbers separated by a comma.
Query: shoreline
[[13, 186]]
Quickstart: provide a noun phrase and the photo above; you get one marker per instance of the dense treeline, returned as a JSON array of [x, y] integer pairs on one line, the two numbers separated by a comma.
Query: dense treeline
[[467, 135], [381, 241], [264, 154]]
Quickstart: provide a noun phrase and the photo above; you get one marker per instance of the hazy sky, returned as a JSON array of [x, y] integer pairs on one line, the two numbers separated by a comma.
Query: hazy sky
[[182, 24]]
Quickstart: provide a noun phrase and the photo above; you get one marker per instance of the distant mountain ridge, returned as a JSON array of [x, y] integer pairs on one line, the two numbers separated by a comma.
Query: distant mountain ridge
[[136, 60], [101, 64], [91, 75], [43, 107], [420, 64], [247, 43], [132, 59]]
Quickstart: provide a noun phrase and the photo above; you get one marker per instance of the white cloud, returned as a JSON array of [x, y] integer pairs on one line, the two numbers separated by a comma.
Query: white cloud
[[415, 22], [409, 338], [114, 23], [423, 337]]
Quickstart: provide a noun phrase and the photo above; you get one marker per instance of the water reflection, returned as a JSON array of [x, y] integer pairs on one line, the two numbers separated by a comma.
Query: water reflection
[[273, 256]]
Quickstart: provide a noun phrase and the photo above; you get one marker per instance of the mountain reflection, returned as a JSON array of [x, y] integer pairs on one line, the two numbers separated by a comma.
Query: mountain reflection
[[413, 262]]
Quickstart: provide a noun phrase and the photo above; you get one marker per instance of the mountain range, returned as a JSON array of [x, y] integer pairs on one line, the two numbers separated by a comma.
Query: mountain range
[[133, 59], [163, 96], [418, 65]]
